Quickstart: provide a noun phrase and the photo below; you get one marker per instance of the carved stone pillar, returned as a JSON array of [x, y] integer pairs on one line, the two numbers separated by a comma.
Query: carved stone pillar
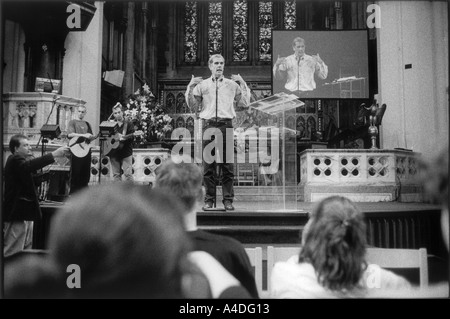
[[26, 112], [129, 52], [152, 47]]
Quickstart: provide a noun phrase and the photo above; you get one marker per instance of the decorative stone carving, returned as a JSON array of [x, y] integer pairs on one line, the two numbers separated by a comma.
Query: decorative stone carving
[[26, 112], [362, 175]]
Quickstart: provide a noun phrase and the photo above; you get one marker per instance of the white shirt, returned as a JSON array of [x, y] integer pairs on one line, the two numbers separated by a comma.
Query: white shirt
[[296, 280], [300, 73], [228, 91]]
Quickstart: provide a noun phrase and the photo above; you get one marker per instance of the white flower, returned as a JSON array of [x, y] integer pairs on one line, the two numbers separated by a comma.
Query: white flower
[[137, 92], [133, 112]]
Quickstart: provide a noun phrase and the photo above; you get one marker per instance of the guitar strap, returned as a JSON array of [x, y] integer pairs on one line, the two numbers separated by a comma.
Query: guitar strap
[[125, 124], [89, 128]]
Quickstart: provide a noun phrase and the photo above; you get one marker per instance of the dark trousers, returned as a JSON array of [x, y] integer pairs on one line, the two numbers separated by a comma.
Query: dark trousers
[[80, 172], [210, 168]]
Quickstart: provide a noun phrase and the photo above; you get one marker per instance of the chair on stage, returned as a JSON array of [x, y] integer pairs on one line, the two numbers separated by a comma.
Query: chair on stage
[[245, 174], [397, 258], [276, 254], [270, 173], [255, 256]]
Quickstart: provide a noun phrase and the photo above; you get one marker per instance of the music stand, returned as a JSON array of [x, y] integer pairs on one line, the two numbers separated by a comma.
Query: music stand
[[49, 131], [107, 129]]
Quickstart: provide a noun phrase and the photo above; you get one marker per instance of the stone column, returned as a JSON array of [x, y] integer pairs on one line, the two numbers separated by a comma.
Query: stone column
[[129, 52]]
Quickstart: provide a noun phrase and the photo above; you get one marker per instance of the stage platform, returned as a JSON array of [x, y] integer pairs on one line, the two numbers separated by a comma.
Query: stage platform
[[390, 224]]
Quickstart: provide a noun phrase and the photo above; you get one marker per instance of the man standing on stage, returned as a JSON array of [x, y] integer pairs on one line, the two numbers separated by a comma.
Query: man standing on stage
[[122, 156], [20, 203], [81, 166], [213, 101]]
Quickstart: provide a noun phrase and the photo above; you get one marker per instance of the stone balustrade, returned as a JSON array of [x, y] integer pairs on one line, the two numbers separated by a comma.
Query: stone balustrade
[[361, 175], [145, 163]]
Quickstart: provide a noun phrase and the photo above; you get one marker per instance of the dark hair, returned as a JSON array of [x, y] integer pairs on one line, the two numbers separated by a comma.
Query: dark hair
[[128, 241], [335, 243], [183, 180], [118, 106], [28, 274], [15, 141], [434, 175]]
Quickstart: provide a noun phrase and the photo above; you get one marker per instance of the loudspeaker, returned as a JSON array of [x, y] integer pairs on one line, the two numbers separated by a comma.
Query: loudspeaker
[[50, 131], [115, 77]]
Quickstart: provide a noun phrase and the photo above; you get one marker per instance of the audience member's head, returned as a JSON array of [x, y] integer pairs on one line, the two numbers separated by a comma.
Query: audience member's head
[[182, 178], [435, 180], [29, 275], [334, 242], [127, 241]]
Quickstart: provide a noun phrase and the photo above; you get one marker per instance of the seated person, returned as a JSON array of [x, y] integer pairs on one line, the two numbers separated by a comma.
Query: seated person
[[127, 242], [332, 262], [179, 177]]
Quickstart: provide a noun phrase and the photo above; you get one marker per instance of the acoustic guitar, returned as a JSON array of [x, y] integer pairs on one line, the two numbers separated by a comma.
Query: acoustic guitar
[[80, 146], [113, 143]]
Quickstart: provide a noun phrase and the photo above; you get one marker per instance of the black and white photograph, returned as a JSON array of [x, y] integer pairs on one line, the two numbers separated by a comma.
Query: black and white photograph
[[238, 150]]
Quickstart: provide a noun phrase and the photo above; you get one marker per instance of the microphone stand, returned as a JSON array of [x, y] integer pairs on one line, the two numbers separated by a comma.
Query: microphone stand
[[102, 140], [217, 97], [215, 208]]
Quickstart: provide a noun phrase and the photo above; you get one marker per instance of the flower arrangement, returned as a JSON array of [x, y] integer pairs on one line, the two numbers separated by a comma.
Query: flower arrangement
[[148, 115]]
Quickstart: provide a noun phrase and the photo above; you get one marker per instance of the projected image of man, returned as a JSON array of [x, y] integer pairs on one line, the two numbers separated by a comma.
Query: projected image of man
[[299, 69]]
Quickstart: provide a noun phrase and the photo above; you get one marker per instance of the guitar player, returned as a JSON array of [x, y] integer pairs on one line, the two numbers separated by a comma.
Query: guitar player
[[121, 157], [81, 166]]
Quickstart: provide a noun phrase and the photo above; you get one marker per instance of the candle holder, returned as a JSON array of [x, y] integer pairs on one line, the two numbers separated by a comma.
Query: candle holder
[[375, 115]]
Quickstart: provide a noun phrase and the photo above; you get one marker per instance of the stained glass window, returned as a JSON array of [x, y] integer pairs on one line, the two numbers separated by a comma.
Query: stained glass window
[[181, 103], [215, 31], [240, 30], [290, 15], [190, 32], [265, 28], [170, 103], [190, 125]]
